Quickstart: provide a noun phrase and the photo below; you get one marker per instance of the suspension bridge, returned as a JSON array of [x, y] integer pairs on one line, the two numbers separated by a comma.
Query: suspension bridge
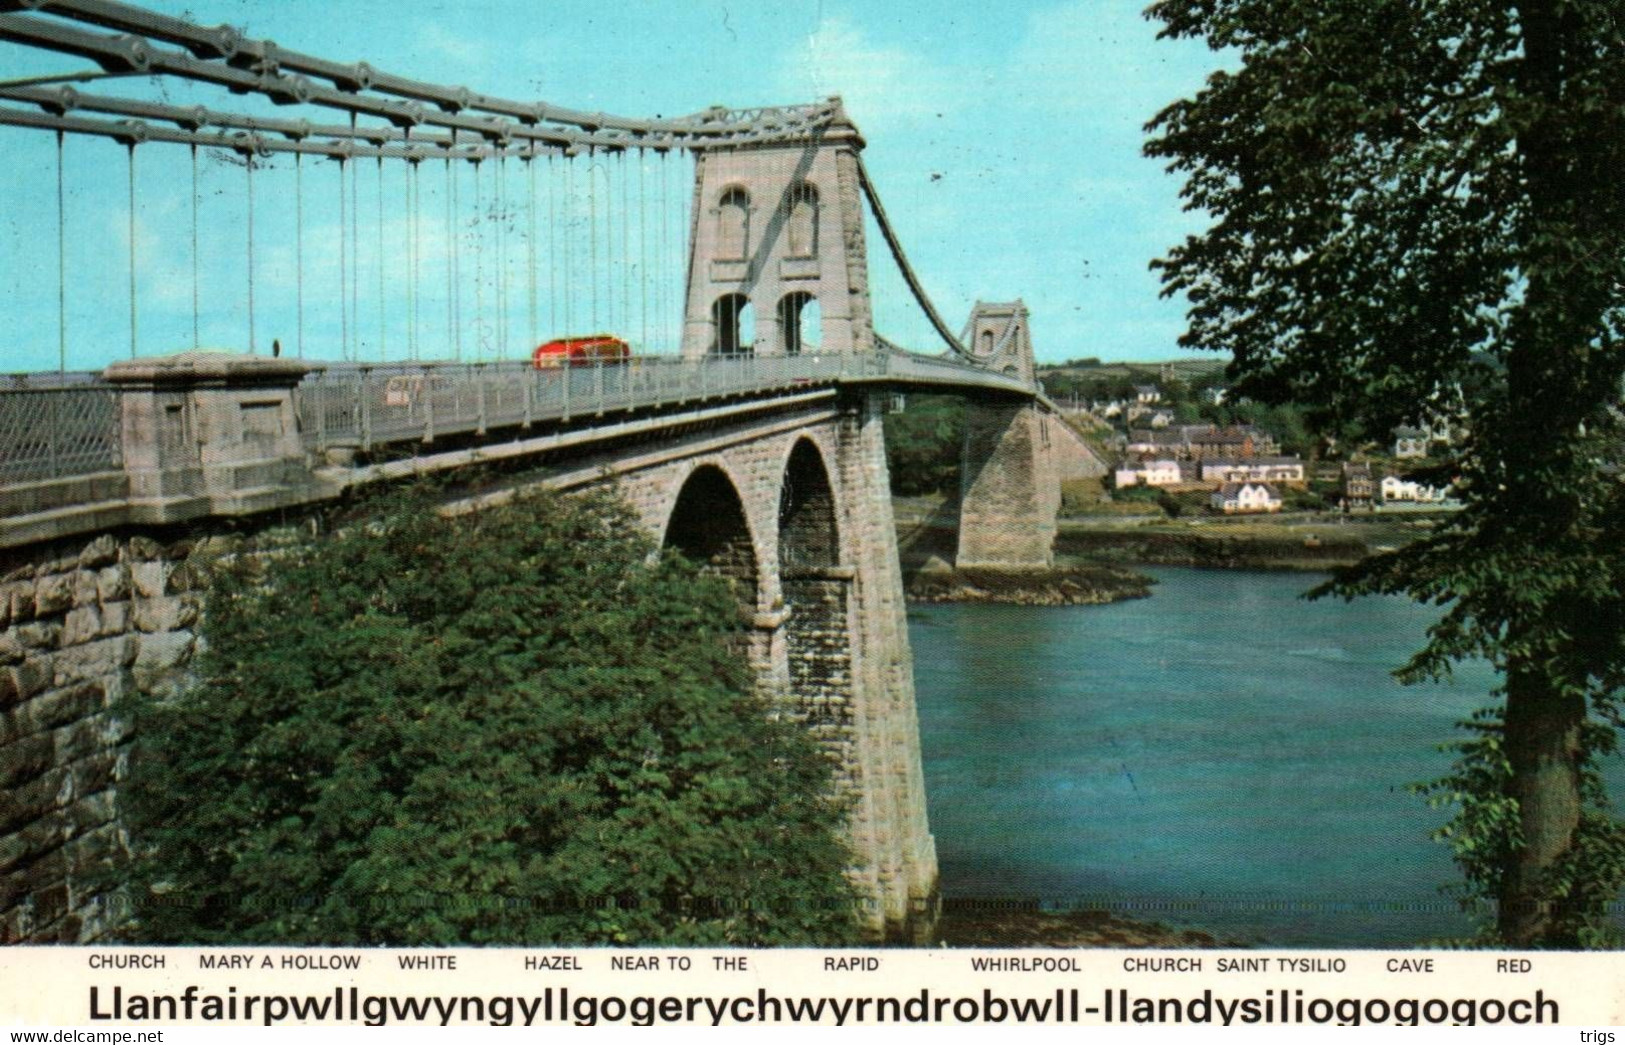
[[383, 253]]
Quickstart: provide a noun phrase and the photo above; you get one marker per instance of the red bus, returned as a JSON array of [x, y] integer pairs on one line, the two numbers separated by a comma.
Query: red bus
[[593, 350]]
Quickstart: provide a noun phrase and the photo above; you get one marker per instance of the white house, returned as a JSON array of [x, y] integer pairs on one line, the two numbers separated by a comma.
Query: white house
[[1234, 498], [1255, 469], [1410, 491], [1147, 393], [1410, 442], [1148, 473], [1151, 442]]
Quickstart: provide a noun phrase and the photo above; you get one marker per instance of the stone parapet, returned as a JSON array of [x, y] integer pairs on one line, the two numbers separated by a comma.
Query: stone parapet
[[200, 434], [210, 434]]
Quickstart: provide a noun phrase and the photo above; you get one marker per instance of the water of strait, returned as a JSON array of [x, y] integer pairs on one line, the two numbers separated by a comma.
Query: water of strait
[[1223, 755]]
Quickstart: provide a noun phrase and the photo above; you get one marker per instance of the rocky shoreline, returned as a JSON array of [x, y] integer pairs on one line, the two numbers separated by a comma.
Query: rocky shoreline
[[1215, 550], [928, 538], [1061, 585]]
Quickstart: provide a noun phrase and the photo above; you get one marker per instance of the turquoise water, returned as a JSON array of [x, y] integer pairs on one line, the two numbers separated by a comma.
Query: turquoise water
[[1222, 755]]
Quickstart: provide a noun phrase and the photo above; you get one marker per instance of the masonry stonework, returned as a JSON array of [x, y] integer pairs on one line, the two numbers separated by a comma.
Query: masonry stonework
[[775, 226], [82, 624], [1010, 474], [831, 638]]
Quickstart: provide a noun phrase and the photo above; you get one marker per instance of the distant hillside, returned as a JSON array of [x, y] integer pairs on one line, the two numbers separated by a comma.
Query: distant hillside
[[1186, 369]]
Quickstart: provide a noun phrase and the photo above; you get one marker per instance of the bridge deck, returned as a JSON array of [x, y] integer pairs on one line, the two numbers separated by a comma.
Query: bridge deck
[[55, 427]]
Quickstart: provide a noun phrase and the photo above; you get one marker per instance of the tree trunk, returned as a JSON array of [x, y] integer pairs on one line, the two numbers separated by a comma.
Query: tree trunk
[[1543, 746]]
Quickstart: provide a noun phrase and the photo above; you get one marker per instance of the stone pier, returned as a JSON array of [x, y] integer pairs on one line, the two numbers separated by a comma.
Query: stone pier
[[1009, 475]]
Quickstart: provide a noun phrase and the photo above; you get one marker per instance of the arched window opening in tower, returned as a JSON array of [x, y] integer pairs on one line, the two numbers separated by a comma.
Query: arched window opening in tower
[[733, 224], [801, 226], [801, 320], [734, 321]]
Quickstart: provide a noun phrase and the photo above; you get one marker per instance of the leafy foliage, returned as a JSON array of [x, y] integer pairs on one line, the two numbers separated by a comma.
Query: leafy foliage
[[1417, 214], [1285, 421], [509, 727], [923, 445], [1485, 833]]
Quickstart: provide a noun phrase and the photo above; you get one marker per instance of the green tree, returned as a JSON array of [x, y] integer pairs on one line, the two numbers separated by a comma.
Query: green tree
[[1407, 200], [924, 444], [511, 727]]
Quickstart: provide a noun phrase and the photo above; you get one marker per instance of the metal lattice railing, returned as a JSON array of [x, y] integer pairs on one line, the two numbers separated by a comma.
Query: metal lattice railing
[[57, 425], [366, 406], [63, 426]]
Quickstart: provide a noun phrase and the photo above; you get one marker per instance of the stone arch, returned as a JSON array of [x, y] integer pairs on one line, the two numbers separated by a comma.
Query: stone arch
[[800, 321], [708, 524], [808, 534], [733, 223], [732, 319], [801, 221], [817, 596]]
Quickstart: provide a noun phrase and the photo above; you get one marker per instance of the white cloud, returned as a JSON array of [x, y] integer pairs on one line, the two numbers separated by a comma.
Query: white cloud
[[880, 85], [435, 39]]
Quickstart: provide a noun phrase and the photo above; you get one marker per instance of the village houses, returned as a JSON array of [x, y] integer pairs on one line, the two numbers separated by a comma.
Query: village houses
[[1148, 473], [1235, 498], [1196, 442], [1157, 418], [1224, 460], [1358, 487], [1410, 442], [1262, 469], [1408, 491]]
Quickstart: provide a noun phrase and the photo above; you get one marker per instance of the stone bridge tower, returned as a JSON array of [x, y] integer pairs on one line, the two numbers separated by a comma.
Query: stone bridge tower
[[777, 267], [776, 256], [1009, 478]]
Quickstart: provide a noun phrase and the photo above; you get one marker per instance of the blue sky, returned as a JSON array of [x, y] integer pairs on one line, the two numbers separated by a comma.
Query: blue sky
[[1004, 138]]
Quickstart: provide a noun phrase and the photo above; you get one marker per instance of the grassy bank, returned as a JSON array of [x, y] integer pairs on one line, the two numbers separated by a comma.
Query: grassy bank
[[1110, 540], [1307, 541]]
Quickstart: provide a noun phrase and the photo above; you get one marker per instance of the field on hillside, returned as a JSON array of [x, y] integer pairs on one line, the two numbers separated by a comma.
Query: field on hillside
[[1185, 368]]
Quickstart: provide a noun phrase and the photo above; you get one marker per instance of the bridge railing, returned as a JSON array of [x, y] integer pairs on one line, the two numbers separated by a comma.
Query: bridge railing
[[362, 406], [66, 426], [58, 425], [909, 367]]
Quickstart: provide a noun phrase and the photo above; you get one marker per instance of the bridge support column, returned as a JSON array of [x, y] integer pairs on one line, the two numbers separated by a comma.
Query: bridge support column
[[1010, 487], [896, 853]]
